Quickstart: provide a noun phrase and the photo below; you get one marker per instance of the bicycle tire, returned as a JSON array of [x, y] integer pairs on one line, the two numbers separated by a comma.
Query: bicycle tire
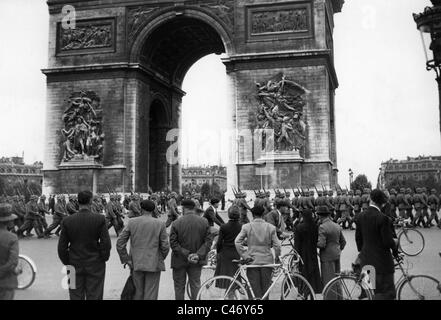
[[406, 290], [331, 290], [27, 272], [304, 288], [407, 238], [239, 293]]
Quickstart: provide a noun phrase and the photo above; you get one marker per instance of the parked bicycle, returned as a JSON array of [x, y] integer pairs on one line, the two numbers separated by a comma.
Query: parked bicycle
[[26, 272], [285, 285], [357, 286], [411, 242]]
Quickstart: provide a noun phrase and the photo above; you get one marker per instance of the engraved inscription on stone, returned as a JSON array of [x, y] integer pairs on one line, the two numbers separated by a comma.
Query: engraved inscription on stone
[[86, 35], [279, 21]]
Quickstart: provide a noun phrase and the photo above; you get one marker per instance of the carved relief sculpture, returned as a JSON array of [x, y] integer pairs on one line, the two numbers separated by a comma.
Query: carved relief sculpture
[[83, 137], [86, 36], [136, 18], [224, 10], [281, 104], [295, 20]]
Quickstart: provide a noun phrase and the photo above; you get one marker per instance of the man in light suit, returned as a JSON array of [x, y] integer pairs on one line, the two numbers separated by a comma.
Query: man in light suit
[[149, 247], [331, 242]]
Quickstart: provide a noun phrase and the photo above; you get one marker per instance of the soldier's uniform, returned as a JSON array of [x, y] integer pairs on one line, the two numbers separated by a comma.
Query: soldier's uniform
[[241, 202], [337, 207], [58, 216], [356, 203], [173, 212], [365, 199], [71, 207], [119, 211], [402, 203], [331, 200], [43, 210], [409, 201], [393, 202], [31, 218], [19, 210], [134, 207], [111, 215], [425, 206], [433, 202], [419, 203], [344, 207]]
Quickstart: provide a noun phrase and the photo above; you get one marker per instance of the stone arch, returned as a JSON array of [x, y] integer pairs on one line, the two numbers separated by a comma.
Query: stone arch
[[168, 15]]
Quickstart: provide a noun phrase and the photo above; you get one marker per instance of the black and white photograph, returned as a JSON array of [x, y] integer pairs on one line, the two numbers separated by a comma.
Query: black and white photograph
[[235, 150]]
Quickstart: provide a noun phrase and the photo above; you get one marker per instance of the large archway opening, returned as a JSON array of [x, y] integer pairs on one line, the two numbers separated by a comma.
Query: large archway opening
[[168, 52]]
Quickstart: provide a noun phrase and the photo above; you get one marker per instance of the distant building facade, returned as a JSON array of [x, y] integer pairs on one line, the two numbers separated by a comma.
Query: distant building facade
[[15, 173], [418, 169], [197, 176]]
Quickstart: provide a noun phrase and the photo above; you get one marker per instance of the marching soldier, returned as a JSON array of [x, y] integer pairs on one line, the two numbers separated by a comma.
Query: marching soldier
[[402, 203], [31, 218], [419, 203], [365, 199], [425, 206], [331, 203], [356, 203], [393, 202], [71, 207], [42, 210], [344, 207], [134, 207], [126, 201], [58, 216], [409, 201], [173, 212], [433, 202], [19, 210], [337, 206], [96, 207], [111, 215], [295, 204], [241, 202], [119, 211]]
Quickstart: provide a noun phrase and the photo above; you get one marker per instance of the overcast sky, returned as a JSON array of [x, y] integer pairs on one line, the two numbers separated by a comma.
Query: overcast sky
[[386, 105]]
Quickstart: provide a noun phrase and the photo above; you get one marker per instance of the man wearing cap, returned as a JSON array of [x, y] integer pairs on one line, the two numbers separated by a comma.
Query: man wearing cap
[[331, 243], [149, 247], [85, 244], [375, 242], [190, 241], [8, 254]]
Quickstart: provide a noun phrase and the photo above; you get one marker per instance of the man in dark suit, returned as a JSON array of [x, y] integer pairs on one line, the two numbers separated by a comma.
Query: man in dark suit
[[190, 241], [375, 242], [211, 213], [148, 249], [85, 244]]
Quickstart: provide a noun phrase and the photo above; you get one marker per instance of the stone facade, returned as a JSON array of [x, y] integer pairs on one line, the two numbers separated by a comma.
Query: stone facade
[[197, 176], [135, 57]]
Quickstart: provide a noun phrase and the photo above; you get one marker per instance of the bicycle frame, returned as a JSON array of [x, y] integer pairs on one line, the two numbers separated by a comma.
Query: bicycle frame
[[405, 277], [241, 274]]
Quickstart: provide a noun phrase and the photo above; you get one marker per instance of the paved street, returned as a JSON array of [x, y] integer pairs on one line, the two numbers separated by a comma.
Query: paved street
[[49, 276]]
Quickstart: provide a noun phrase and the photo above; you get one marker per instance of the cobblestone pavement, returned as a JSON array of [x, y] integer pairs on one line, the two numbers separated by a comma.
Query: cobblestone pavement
[[47, 285]]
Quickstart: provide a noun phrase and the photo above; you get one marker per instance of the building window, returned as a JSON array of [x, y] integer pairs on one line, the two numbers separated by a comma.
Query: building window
[[8, 170], [18, 170]]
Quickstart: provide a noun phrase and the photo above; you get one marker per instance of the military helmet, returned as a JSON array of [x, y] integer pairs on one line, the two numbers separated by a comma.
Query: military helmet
[[320, 193], [392, 191], [402, 190], [433, 191], [408, 190], [339, 192], [33, 198], [330, 193], [358, 192], [424, 189]]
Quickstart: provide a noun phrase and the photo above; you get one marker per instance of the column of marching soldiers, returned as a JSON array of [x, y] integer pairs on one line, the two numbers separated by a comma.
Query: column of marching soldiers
[[416, 206]]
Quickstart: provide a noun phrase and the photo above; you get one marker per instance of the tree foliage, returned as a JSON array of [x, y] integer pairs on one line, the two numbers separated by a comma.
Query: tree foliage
[[361, 182]]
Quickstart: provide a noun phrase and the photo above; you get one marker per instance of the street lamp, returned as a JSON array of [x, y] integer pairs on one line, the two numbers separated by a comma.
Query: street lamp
[[351, 178], [429, 24]]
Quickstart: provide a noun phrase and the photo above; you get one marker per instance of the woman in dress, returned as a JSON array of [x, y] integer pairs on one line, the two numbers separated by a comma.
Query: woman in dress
[[225, 247]]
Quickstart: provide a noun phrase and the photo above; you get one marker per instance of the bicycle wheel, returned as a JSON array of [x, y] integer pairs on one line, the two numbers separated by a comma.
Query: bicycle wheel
[[346, 288], [411, 242], [296, 287], [206, 273], [222, 288], [26, 271], [419, 288]]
